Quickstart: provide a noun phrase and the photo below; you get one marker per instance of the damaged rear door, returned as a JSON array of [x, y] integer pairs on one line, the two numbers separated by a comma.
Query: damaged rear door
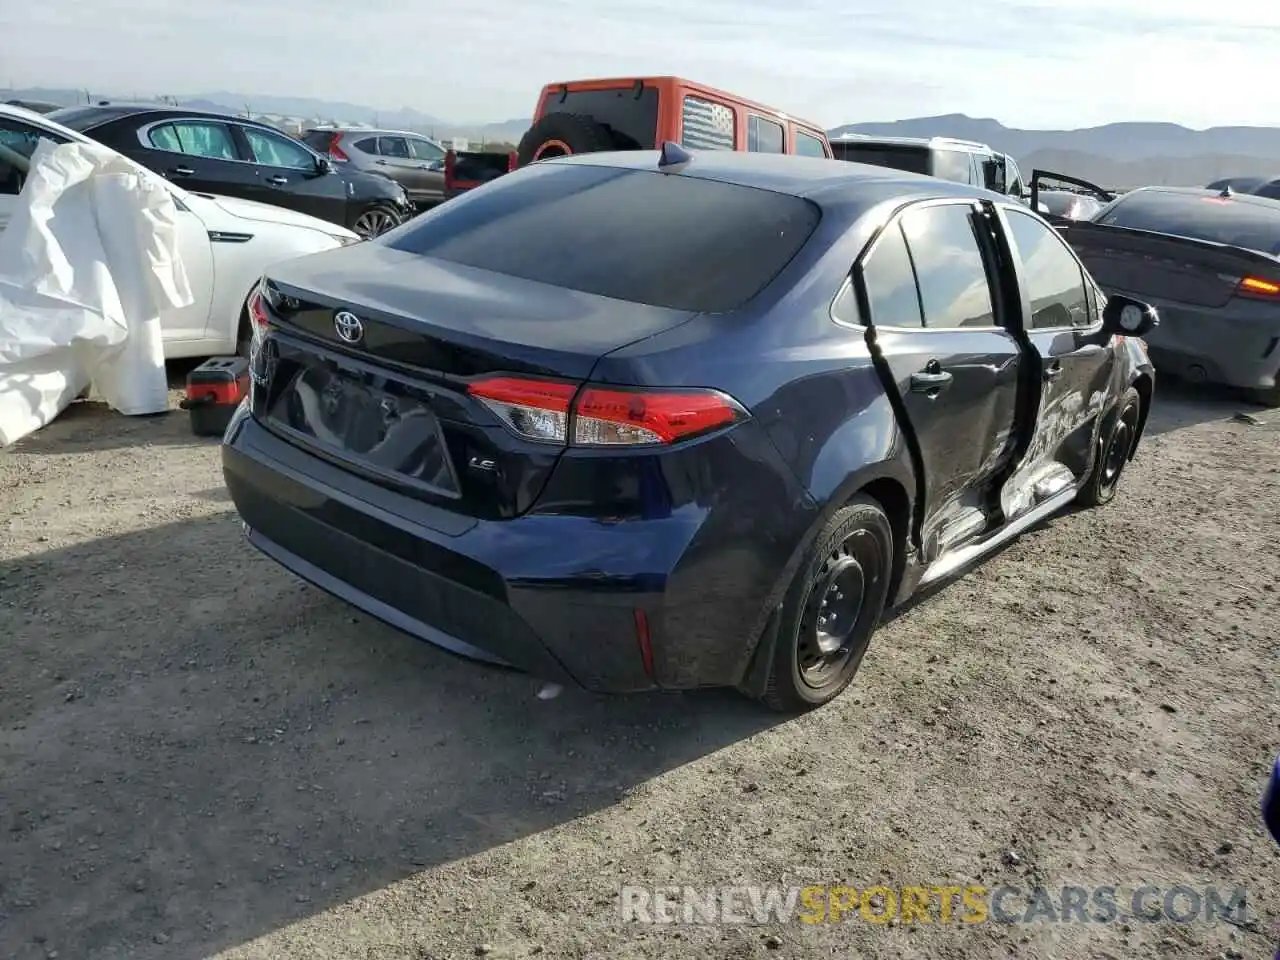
[[927, 288]]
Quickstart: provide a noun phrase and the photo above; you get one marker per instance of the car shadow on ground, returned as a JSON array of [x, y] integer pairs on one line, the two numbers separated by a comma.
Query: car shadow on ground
[[198, 749], [1179, 404]]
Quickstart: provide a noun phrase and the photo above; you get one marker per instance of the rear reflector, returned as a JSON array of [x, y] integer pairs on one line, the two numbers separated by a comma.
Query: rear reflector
[[1255, 287], [603, 416]]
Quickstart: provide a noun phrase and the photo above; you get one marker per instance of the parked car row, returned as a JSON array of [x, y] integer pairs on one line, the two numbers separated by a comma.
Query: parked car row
[[236, 157], [226, 243]]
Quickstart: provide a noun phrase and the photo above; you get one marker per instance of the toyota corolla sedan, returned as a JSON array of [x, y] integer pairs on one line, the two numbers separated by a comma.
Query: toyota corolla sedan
[[659, 420]]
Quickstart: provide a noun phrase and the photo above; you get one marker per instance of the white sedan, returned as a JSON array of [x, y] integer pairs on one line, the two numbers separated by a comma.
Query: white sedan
[[226, 243]]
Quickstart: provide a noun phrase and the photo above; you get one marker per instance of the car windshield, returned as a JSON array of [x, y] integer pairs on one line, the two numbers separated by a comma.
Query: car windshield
[[1252, 223], [667, 241]]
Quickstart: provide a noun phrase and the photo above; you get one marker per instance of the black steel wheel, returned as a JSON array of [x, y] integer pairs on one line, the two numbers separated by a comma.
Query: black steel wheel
[[832, 608], [1115, 449]]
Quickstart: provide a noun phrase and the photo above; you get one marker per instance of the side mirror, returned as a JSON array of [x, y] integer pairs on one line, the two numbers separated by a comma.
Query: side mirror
[[323, 164], [1128, 317]]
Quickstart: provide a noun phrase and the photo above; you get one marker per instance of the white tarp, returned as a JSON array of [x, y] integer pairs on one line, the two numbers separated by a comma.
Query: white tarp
[[88, 261]]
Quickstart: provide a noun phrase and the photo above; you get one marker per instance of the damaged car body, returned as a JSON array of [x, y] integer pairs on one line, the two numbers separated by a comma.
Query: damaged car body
[[668, 420]]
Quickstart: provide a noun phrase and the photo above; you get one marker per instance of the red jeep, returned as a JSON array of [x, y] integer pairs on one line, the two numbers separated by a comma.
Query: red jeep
[[583, 116]]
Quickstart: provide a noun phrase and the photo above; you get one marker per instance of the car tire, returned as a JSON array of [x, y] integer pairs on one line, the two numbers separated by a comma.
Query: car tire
[[1115, 447], [563, 134], [844, 578], [376, 220]]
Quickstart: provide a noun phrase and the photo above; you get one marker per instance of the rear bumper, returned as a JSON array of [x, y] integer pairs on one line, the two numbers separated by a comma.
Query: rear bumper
[[453, 581], [1239, 347]]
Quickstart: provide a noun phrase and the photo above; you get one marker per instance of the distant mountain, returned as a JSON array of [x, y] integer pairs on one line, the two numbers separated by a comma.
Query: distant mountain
[[1117, 154], [303, 108]]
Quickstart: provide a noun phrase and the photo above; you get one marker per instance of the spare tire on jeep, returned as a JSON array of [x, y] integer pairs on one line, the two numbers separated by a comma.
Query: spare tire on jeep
[[562, 134]]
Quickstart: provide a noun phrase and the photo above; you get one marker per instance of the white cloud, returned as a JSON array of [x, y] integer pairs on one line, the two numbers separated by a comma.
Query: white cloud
[[1035, 63]]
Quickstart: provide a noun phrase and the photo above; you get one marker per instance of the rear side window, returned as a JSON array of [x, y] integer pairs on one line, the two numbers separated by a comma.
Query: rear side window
[[910, 159], [706, 125], [808, 146], [634, 235], [764, 136], [1253, 224], [393, 147], [890, 282], [953, 165], [631, 119], [368, 145], [950, 271], [1055, 282]]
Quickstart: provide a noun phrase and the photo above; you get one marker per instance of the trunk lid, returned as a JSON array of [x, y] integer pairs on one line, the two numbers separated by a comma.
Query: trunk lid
[[1178, 269], [393, 405]]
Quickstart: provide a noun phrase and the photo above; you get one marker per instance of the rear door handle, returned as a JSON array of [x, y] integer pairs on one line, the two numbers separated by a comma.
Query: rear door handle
[[182, 172], [1053, 372], [278, 181], [381, 163], [930, 382]]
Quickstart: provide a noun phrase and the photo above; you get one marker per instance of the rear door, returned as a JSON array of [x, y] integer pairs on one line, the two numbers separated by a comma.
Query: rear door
[[1061, 319], [285, 173], [929, 294], [200, 155]]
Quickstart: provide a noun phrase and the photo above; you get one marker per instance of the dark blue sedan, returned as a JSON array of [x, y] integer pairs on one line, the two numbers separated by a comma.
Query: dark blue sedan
[[659, 420]]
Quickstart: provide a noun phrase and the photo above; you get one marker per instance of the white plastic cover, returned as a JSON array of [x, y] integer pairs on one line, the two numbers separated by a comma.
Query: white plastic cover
[[87, 262]]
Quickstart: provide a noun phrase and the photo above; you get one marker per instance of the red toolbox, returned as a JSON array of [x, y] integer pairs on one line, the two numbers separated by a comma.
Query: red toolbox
[[214, 390]]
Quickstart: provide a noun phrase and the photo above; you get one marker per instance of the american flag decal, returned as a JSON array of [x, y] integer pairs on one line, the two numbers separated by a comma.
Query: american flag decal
[[707, 125]]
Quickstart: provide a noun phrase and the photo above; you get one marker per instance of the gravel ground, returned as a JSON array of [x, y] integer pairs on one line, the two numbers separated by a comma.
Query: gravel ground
[[200, 755]]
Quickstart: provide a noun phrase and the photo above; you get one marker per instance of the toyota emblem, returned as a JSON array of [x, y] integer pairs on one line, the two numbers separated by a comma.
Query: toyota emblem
[[348, 326]]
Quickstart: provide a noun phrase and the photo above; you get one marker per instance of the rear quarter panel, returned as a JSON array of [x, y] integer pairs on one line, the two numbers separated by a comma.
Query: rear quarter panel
[[812, 392]]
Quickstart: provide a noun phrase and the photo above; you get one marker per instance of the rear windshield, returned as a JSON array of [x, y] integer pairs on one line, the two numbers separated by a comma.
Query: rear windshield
[[910, 159], [1253, 224], [632, 120], [634, 235], [85, 118]]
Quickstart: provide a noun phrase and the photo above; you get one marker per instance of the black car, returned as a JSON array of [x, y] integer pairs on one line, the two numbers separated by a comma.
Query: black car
[[1209, 261], [640, 426], [236, 157]]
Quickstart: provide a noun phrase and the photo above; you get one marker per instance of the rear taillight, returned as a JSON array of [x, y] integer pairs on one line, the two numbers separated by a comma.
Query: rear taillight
[[1258, 288], [513, 161], [603, 416], [335, 151], [450, 168]]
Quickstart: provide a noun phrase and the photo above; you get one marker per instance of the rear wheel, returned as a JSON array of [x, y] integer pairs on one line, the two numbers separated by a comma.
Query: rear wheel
[[832, 609], [563, 134], [1115, 448], [377, 220]]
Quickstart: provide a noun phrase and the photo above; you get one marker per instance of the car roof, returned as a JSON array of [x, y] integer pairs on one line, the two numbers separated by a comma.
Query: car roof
[[826, 182], [113, 110], [369, 131], [951, 143]]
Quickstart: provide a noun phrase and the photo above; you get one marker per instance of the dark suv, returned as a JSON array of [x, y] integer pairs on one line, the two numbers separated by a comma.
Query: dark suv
[[236, 157]]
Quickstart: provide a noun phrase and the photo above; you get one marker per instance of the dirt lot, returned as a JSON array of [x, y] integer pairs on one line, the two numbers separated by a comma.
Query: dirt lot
[[200, 755]]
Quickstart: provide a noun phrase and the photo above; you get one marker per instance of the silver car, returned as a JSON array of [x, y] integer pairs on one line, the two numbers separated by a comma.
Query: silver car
[[412, 160]]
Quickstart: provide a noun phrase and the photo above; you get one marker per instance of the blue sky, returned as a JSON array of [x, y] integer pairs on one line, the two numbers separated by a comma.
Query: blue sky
[[1029, 63]]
